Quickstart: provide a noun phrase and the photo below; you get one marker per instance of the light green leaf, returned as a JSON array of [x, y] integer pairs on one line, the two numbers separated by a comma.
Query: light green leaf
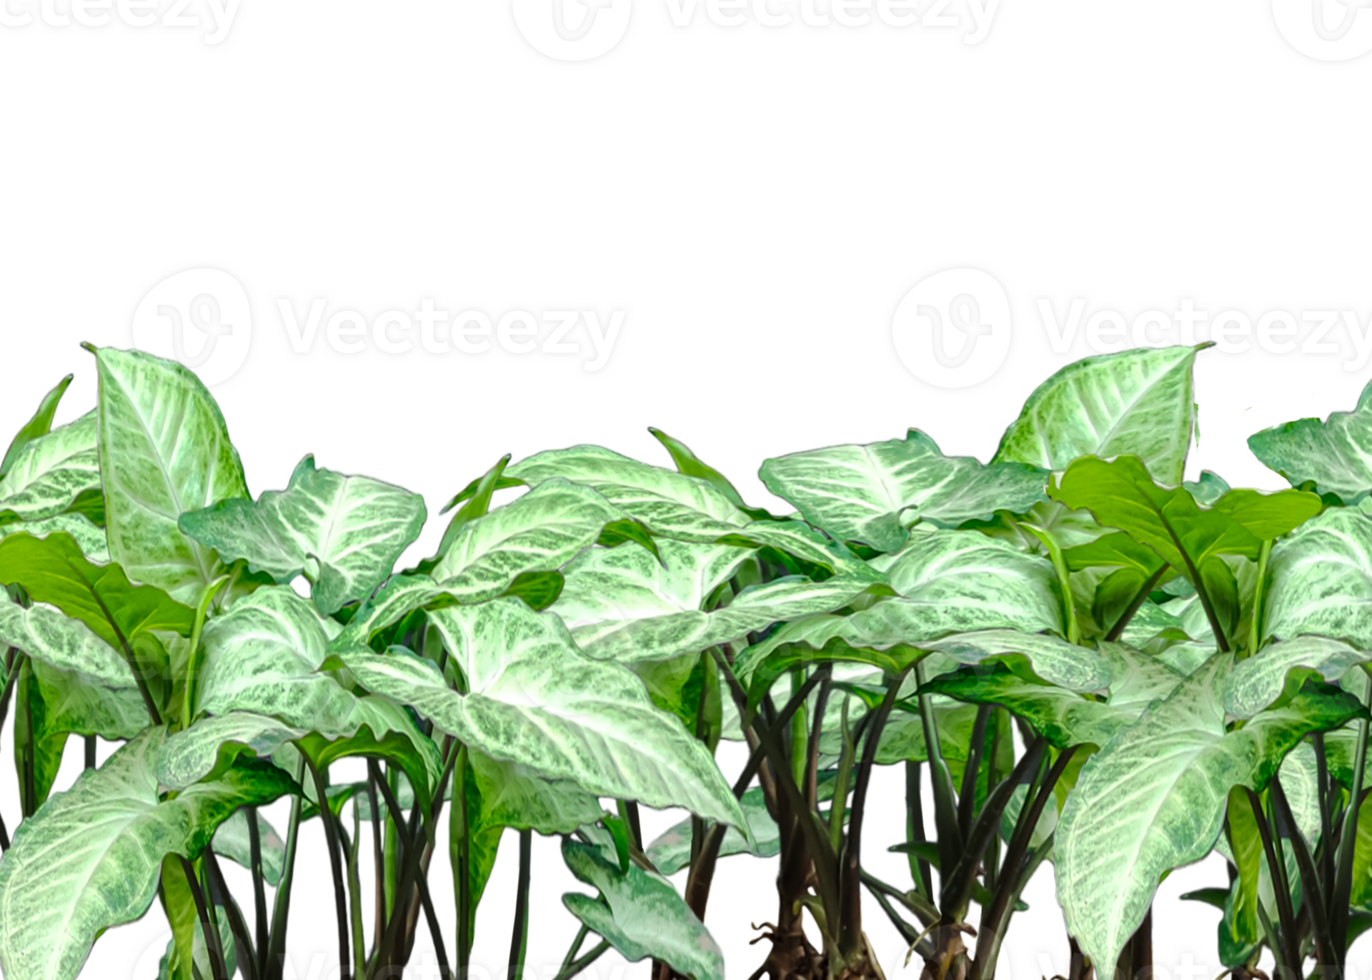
[[232, 840], [534, 699], [623, 604], [89, 538], [344, 533], [53, 570], [90, 858], [643, 916], [1259, 681], [54, 474], [1136, 679], [37, 427], [539, 532], [164, 450], [872, 494], [1321, 580], [1137, 402], [1333, 457], [670, 847], [263, 656], [44, 633], [1153, 799], [73, 703]]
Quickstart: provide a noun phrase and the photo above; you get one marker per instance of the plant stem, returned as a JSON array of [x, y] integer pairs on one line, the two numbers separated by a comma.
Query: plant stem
[[841, 781], [850, 875], [1285, 914], [340, 890], [519, 942], [352, 849], [378, 855], [276, 953], [207, 927], [948, 833], [914, 830], [459, 845], [411, 845], [1140, 598], [1343, 876], [247, 958], [1259, 589], [811, 783], [574, 948], [572, 969], [188, 696], [1310, 882], [90, 751], [259, 888], [967, 796]]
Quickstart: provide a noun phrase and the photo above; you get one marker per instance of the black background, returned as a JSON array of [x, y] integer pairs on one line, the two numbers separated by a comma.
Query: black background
[[756, 199]]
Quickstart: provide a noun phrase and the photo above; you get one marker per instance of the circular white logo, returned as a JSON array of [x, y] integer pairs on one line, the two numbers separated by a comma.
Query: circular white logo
[[1326, 30], [573, 30], [201, 318], [953, 329]]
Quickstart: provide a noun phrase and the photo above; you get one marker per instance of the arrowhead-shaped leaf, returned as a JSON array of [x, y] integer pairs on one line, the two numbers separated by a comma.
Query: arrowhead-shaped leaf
[[1153, 799], [534, 699], [1333, 457], [345, 533], [90, 858], [1137, 402], [54, 474], [873, 494], [539, 532], [642, 917], [623, 604], [164, 450], [1322, 580]]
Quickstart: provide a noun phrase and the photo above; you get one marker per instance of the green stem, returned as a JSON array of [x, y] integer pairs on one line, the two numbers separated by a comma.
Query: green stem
[[800, 734], [259, 888], [460, 853], [842, 779], [572, 969], [207, 927], [1343, 877], [519, 942], [967, 794], [201, 611], [914, 830], [336, 866], [243, 947], [1117, 630], [1310, 882], [1259, 591], [355, 899], [281, 910], [949, 834], [1285, 914]]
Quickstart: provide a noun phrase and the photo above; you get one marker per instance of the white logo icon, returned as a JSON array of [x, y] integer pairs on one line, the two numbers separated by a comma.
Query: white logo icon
[[201, 318], [573, 30], [953, 329], [1326, 30]]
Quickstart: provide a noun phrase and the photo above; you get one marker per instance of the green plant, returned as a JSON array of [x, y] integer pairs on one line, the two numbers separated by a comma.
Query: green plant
[[1088, 661]]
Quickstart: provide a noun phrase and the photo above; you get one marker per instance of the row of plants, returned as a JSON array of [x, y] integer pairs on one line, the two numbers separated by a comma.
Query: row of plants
[[1086, 661]]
